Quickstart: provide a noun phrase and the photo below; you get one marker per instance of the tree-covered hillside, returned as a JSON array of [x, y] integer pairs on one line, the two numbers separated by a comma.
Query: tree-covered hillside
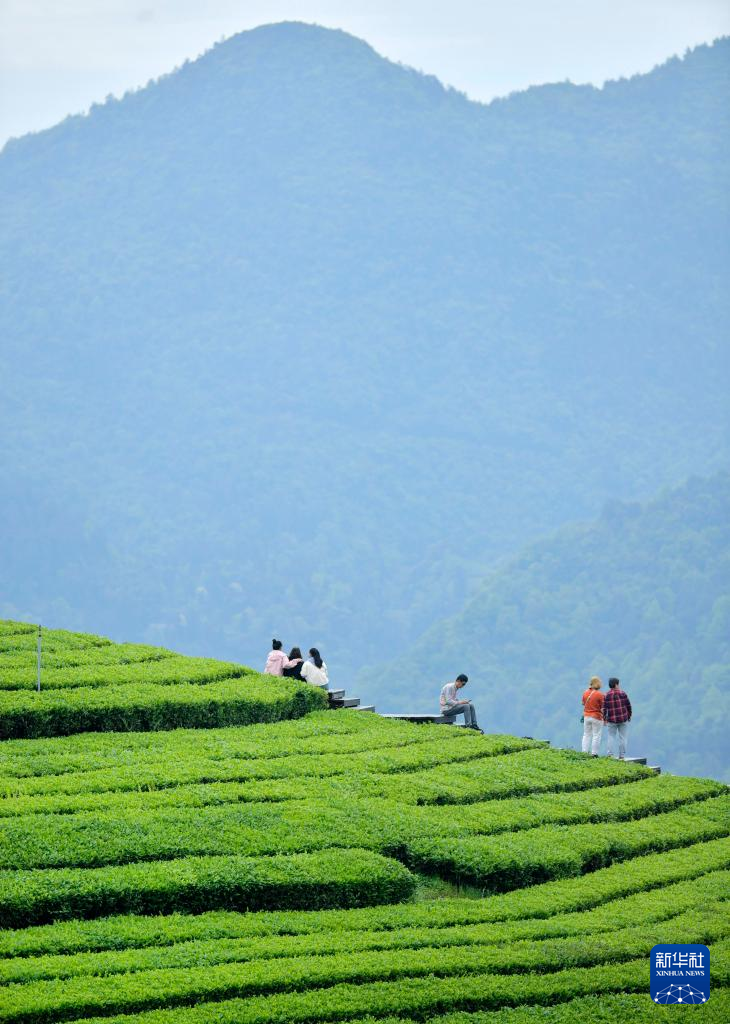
[[642, 594], [295, 339]]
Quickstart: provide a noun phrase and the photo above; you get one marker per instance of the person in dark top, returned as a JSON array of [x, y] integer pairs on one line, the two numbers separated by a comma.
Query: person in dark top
[[294, 668], [616, 715]]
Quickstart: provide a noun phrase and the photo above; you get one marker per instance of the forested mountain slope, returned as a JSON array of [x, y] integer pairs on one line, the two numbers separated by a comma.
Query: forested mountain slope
[[296, 339], [642, 593]]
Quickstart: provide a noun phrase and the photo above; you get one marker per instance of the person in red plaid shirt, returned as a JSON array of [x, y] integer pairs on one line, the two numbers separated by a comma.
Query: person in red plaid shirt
[[616, 715]]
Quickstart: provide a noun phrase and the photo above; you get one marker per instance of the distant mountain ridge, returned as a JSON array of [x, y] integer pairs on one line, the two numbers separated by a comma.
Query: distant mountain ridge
[[641, 593], [296, 339]]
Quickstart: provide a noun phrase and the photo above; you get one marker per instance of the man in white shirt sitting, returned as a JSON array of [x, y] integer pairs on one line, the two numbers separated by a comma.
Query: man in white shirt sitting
[[452, 705]]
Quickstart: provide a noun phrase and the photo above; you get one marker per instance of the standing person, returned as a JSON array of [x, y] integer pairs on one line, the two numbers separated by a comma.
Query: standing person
[[453, 705], [592, 717], [314, 670], [294, 668], [277, 661], [616, 715]]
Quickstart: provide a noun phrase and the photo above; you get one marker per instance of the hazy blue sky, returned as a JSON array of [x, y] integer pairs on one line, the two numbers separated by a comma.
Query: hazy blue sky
[[58, 56]]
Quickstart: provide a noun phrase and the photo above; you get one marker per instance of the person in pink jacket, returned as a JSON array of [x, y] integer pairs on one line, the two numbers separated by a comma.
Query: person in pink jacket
[[277, 661]]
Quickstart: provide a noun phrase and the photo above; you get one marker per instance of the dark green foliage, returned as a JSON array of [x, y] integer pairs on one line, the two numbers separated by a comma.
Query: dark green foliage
[[603, 1009], [144, 666], [81, 996], [536, 855], [338, 878], [121, 834], [616, 802], [420, 996], [554, 908], [635, 859], [150, 706], [154, 770], [236, 941], [531, 771], [318, 733]]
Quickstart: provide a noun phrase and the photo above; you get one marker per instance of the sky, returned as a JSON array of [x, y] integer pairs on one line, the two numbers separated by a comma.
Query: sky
[[57, 57]]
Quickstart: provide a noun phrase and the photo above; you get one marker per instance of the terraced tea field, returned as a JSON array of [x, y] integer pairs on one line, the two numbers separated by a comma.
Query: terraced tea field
[[89, 683], [320, 865]]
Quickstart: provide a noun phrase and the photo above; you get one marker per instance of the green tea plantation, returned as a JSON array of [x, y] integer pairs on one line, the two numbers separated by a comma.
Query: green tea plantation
[[186, 841]]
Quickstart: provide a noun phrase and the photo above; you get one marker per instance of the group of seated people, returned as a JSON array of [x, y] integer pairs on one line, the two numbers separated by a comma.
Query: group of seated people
[[293, 665], [613, 710]]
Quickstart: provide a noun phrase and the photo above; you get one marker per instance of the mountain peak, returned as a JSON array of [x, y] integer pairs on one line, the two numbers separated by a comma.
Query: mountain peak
[[290, 48], [297, 33]]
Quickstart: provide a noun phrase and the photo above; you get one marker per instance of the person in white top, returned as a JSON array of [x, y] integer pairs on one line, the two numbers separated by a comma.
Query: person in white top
[[452, 705], [314, 669]]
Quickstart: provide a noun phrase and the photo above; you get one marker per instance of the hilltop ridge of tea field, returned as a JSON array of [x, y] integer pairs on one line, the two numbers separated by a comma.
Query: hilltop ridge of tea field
[[328, 865]]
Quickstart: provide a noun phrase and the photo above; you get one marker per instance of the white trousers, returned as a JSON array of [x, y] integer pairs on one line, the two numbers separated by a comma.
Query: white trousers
[[591, 735], [617, 731]]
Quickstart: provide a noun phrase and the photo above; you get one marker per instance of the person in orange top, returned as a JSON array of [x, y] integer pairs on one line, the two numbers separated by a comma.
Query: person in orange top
[[592, 717]]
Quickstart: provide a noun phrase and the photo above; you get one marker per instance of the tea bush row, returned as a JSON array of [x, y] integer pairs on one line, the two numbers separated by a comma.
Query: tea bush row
[[188, 767], [51, 1001], [502, 862], [614, 803], [647, 874], [252, 830], [8, 628], [119, 836], [204, 794], [164, 671], [623, 1008], [422, 996], [60, 657], [331, 878], [23, 635], [613, 916], [319, 733], [610, 803], [151, 706], [531, 771]]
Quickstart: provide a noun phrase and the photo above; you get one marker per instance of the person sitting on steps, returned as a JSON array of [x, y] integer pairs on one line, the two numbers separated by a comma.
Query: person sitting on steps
[[452, 705], [294, 668], [277, 661], [314, 670]]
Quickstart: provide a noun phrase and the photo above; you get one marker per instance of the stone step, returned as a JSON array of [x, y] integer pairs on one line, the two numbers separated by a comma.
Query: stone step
[[365, 707], [654, 768], [635, 760], [350, 702], [337, 694]]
